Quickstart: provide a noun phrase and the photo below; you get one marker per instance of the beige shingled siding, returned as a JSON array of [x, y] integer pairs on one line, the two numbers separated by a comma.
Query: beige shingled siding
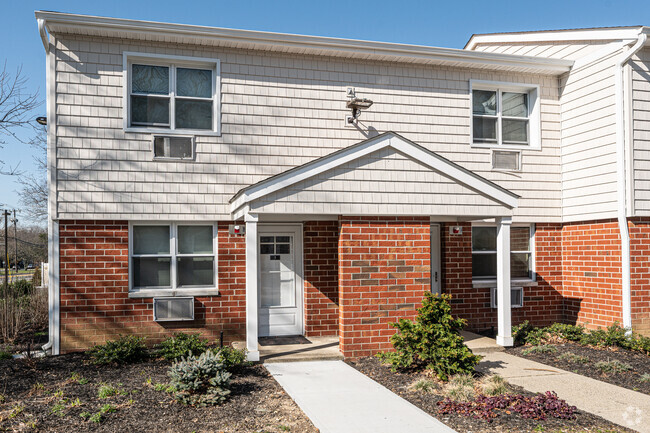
[[278, 111], [553, 50], [641, 131], [405, 184]]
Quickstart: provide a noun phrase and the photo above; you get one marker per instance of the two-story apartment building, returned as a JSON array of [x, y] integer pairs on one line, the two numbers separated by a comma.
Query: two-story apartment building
[[264, 184]]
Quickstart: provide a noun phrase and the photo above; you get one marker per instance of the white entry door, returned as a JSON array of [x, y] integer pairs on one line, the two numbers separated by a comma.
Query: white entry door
[[280, 265]]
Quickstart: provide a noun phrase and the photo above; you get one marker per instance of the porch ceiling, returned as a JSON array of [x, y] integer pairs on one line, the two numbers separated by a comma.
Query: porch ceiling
[[384, 175]]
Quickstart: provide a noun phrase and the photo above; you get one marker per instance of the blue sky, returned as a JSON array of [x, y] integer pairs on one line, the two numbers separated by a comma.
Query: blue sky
[[444, 24]]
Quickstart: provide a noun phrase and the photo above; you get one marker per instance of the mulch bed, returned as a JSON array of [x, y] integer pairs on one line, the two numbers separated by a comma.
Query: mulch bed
[[639, 362], [399, 383], [257, 402]]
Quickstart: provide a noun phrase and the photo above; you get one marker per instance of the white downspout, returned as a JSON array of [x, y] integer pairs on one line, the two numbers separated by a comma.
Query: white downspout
[[620, 171]]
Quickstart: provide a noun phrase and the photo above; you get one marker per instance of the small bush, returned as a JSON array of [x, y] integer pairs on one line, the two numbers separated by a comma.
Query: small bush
[[433, 341], [424, 385], [21, 288], [645, 378], [537, 407], [541, 349], [494, 385], [460, 388], [520, 332], [615, 366], [36, 277], [181, 344], [573, 358], [200, 381], [5, 355], [106, 391], [230, 357], [124, 350]]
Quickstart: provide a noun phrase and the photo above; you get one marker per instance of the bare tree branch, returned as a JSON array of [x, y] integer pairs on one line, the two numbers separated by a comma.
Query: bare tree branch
[[33, 186]]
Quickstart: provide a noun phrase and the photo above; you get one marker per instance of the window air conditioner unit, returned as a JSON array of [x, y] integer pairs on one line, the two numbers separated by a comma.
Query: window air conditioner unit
[[173, 309], [516, 297]]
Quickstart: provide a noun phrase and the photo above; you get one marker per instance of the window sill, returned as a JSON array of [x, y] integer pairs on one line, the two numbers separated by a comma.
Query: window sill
[[182, 132], [506, 146], [486, 284], [160, 293]]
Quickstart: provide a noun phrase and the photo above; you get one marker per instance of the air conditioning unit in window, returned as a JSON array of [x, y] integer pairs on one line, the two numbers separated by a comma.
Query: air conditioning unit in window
[[506, 160], [516, 297], [173, 309]]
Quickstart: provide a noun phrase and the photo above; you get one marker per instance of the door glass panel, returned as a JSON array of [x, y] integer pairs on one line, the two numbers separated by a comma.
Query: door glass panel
[[278, 288], [282, 239], [195, 239], [151, 240], [267, 249], [282, 249], [266, 239]]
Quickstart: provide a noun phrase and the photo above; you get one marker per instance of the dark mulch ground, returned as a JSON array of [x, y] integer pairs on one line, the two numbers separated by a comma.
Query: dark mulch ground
[[639, 362], [32, 389], [399, 383]]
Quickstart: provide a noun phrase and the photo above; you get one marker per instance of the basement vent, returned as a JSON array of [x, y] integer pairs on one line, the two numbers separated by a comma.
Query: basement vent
[[173, 309], [516, 297], [165, 147], [506, 160]]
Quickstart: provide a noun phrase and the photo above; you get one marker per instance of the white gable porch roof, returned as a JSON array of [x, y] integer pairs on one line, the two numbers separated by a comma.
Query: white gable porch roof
[[438, 178]]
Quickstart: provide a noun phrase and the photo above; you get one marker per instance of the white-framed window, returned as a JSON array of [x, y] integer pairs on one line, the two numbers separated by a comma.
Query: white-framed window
[[169, 258], [171, 94], [505, 115], [484, 252]]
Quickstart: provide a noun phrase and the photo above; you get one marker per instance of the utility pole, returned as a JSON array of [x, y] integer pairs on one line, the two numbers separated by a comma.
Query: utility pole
[[15, 221], [6, 291]]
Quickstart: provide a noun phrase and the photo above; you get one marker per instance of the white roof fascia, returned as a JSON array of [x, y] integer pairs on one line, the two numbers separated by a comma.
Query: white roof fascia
[[555, 36], [390, 139], [326, 44]]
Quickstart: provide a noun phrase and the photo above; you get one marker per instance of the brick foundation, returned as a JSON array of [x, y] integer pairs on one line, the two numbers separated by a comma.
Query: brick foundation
[[321, 278], [95, 305], [384, 270]]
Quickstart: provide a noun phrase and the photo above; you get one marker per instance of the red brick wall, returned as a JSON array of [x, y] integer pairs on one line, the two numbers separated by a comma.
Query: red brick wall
[[591, 269], [640, 273], [94, 289], [384, 270], [542, 303], [321, 278]]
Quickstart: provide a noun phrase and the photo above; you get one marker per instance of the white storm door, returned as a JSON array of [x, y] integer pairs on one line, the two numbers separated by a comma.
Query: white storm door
[[280, 270]]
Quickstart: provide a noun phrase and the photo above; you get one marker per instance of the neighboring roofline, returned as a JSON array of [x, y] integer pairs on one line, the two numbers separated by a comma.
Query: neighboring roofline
[[593, 34], [126, 28], [452, 170]]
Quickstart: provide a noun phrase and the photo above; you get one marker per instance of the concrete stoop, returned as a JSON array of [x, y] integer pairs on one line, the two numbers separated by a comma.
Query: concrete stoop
[[297, 349]]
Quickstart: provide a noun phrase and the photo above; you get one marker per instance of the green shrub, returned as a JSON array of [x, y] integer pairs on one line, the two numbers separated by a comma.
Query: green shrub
[[565, 331], [641, 344], [542, 348], [200, 381], [5, 355], [21, 288], [614, 366], [433, 341], [520, 332], [106, 391], [230, 357], [181, 344], [124, 350]]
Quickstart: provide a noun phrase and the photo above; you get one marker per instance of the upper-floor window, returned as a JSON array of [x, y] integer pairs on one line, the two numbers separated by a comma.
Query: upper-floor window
[[171, 94], [505, 115]]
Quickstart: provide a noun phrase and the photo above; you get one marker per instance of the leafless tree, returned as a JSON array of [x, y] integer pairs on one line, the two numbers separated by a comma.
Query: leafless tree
[[16, 106], [33, 186]]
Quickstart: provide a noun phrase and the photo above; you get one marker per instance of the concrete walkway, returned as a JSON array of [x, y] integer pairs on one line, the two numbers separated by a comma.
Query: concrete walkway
[[619, 405], [339, 399]]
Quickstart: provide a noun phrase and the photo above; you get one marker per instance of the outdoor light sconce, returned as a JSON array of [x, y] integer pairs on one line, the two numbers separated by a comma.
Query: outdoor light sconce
[[356, 105]]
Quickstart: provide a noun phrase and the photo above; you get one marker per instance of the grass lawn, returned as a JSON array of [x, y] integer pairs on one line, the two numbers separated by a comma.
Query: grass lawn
[[67, 393]]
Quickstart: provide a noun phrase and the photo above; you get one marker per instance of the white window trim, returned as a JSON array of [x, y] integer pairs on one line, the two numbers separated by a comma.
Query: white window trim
[[526, 282], [137, 292], [129, 57], [169, 158], [534, 116]]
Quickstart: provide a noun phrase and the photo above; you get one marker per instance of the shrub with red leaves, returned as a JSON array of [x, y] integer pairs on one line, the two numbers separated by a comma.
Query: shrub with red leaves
[[537, 407]]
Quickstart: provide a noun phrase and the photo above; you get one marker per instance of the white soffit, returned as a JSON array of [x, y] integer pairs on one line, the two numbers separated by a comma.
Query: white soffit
[[458, 174], [57, 22], [577, 35]]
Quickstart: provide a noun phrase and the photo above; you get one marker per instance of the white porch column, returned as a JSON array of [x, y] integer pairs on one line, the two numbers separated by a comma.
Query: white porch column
[[504, 334], [251, 287]]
